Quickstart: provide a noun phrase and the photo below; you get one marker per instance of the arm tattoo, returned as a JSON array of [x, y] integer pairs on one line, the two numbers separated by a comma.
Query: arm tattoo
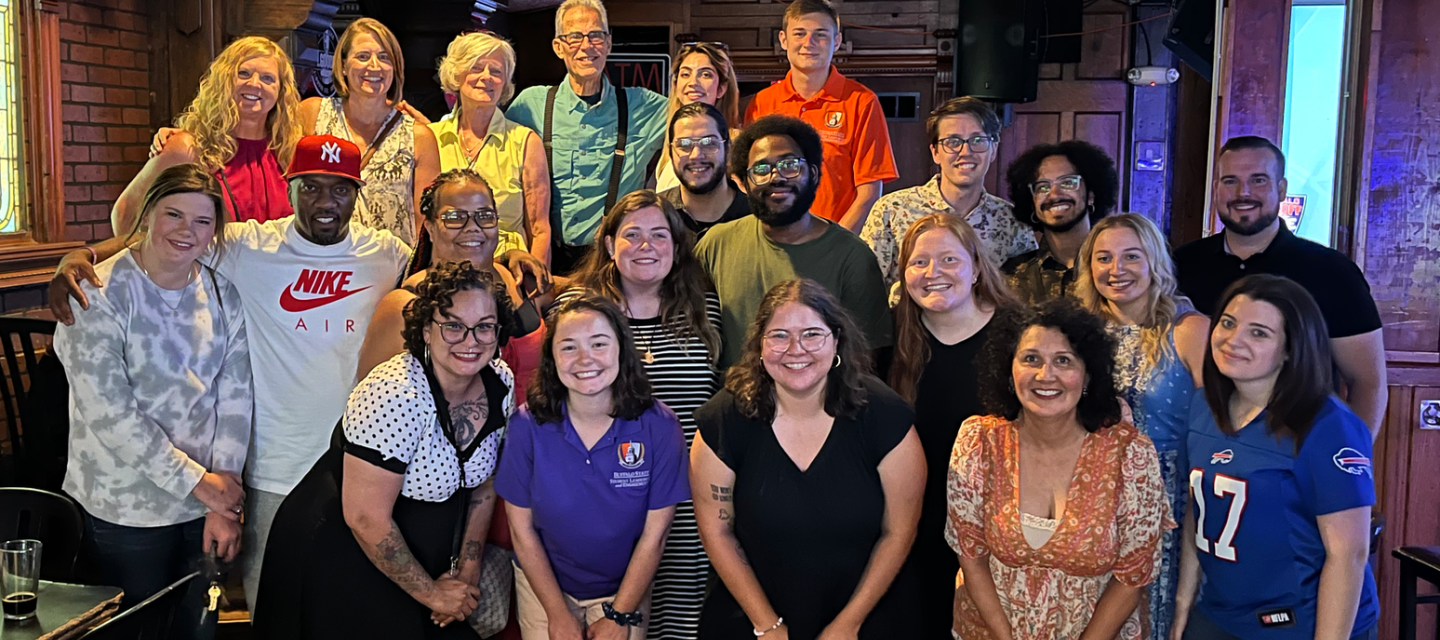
[[468, 417], [719, 493], [393, 558], [473, 551]]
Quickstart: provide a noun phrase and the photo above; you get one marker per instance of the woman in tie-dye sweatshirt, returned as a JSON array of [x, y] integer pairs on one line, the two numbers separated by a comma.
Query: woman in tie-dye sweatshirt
[[160, 396]]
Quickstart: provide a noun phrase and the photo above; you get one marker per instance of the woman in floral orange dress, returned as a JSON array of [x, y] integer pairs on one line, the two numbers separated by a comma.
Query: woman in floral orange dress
[[1056, 505]]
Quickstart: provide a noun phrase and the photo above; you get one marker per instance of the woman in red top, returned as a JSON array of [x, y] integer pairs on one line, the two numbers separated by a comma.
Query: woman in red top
[[242, 126]]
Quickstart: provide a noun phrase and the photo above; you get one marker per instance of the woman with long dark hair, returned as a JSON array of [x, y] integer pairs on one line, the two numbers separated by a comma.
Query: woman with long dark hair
[[591, 475], [807, 476], [1281, 484], [950, 294], [645, 262]]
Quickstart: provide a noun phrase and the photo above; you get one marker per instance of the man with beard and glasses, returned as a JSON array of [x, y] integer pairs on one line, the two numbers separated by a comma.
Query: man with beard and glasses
[[779, 159], [308, 284], [706, 196], [1249, 187], [964, 139], [1059, 190]]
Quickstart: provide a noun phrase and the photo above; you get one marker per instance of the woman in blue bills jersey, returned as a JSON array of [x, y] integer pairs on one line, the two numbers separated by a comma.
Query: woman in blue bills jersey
[[1280, 481]]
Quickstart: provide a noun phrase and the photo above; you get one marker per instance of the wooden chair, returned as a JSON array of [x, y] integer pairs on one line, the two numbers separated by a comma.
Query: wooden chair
[[37, 433], [51, 518], [17, 345], [1416, 564]]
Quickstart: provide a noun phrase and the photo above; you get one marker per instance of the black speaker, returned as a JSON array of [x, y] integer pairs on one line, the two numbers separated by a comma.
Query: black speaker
[[997, 54], [1192, 35]]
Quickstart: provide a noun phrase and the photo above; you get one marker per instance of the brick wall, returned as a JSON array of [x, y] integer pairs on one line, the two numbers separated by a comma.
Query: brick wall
[[105, 97]]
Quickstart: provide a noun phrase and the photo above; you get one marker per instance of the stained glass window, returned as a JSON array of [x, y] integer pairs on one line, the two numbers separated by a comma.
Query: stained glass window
[[12, 195]]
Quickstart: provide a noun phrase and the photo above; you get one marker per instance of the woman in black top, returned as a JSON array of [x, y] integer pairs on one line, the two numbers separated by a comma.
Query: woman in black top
[[951, 292], [805, 482], [384, 537]]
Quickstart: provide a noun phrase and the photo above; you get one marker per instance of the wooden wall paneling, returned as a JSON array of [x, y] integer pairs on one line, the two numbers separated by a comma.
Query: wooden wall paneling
[[907, 139], [1027, 130], [1257, 43], [1422, 500], [1391, 463]]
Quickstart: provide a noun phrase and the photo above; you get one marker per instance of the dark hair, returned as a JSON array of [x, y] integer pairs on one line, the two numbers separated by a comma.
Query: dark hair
[[429, 203], [682, 293], [1099, 405], [1255, 142], [753, 387], [777, 125], [912, 342], [806, 7], [699, 110], [963, 106], [631, 391], [1093, 165], [1307, 375], [436, 294], [186, 178]]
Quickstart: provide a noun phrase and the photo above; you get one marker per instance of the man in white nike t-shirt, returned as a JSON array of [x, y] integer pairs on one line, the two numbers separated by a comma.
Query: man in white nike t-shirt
[[308, 285]]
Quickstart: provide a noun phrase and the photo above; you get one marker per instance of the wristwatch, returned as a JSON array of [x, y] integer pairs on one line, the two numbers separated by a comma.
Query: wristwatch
[[633, 619]]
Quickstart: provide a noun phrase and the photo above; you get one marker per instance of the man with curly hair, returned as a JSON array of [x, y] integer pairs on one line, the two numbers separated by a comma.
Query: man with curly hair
[[1058, 190]]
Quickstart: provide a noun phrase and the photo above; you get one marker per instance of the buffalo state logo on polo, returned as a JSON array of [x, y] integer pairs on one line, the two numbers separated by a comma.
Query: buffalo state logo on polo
[[834, 119], [317, 288], [631, 454]]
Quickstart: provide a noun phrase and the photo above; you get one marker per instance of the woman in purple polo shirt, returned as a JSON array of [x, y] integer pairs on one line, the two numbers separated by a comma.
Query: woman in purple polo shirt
[[808, 478], [591, 474]]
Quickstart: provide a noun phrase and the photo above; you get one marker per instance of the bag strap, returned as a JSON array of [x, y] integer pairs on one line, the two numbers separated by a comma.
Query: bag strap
[[395, 117], [617, 164], [442, 413], [556, 232]]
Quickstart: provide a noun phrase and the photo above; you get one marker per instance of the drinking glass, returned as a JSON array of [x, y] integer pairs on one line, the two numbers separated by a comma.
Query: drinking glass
[[19, 578]]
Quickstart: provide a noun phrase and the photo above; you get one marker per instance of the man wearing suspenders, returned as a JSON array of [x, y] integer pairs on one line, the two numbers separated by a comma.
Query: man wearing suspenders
[[599, 139]]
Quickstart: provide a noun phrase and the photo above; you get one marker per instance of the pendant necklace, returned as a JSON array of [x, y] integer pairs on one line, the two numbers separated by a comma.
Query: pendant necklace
[[174, 308]]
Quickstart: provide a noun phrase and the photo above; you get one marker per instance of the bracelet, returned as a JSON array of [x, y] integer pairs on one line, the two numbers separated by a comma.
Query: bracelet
[[94, 258], [632, 619], [773, 627]]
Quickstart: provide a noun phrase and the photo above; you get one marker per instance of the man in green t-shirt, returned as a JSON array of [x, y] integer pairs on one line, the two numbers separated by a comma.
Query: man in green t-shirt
[[778, 158]]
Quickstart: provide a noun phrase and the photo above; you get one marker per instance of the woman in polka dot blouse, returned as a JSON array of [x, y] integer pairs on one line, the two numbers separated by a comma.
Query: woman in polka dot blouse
[[365, 545]]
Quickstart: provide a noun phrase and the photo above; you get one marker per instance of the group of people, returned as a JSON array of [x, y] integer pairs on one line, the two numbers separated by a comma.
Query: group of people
[[428, 369]]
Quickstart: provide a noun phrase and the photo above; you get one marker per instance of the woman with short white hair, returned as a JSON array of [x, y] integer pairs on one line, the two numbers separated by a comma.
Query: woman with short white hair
[[478, 68]]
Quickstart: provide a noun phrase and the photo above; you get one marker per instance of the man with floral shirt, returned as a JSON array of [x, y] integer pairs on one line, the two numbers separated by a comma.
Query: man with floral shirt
[[964, 134]]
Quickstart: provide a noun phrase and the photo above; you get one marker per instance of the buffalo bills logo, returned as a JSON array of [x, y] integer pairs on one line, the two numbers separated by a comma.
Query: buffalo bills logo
[[1222, 457], [631, 454], [1352, 462]]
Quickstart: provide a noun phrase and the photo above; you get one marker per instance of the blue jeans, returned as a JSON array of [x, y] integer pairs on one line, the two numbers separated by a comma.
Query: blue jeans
[[144, 560]]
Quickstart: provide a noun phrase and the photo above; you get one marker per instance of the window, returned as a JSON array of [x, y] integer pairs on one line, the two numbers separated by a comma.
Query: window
[[12, 183], [1313, 82], [900, 107]]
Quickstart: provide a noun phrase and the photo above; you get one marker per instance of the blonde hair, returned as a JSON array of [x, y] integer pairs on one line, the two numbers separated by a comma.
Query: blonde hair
[[212, 116], [461, 55], [593, 5], [1159, 315], [387, 41]]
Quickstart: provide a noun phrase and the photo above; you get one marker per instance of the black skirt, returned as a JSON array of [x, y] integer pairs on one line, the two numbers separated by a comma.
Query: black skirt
[[316, 581]]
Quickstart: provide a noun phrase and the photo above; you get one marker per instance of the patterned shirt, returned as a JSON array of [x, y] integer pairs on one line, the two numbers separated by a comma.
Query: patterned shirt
[[160, 393], [1036, 277], [992, 219], [1113, 518], [387, 201]]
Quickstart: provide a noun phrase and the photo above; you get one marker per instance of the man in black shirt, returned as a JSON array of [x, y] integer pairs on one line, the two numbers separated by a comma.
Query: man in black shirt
[[1059, 190], [699, 139], [1249, 187]]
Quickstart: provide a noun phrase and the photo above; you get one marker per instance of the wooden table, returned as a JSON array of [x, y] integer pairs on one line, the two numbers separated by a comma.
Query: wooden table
[[65, 611], [1416, 564]]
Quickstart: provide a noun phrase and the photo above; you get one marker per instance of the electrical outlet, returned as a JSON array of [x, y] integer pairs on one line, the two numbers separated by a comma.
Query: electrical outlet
[[1430, 414]]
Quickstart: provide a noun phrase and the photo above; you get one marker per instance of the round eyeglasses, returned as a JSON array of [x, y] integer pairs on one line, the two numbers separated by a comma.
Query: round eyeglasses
[[789, 168], [1069, 183], [779, 340]]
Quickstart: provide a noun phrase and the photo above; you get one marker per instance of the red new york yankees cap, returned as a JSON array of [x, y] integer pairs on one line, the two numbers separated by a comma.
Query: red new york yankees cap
[[326, 154]]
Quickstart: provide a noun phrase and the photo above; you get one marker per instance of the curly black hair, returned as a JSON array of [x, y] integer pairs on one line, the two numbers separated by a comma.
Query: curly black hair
[[776, 125], [429, 202], [1095, 167], [436, 294], [1099, 406], [631, 391]]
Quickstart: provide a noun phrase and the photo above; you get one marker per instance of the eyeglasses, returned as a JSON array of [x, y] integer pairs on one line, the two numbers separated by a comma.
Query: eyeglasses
[[1063, 183], [458, 218], [779, 340], [455, 333], [789, 169], [575, 38], [978, 144], [686, 146]]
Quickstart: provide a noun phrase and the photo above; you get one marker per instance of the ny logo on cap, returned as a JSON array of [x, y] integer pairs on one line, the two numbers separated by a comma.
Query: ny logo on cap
[[330, 152]]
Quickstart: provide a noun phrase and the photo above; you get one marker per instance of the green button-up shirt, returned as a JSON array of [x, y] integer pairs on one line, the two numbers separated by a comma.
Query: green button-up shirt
[[583, 148]]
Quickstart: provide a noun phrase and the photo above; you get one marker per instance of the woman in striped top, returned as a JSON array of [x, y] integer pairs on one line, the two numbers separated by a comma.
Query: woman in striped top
[[648, 267]]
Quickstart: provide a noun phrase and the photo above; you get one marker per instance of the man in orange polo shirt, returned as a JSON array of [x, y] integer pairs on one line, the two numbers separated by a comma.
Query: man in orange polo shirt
[[845, 113]]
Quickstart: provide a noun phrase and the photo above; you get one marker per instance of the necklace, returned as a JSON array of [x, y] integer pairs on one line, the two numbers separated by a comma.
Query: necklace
[[471, 157], [174, 308]]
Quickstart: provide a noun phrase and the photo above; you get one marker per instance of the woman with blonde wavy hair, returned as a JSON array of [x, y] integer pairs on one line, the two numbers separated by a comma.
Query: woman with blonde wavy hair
[[703, 73], [949, 294], [241, 127], [1125, 275]]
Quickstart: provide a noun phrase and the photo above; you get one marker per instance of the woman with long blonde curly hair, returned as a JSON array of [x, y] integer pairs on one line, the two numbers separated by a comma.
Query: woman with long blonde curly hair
[[242, 126], [1125, 275]]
